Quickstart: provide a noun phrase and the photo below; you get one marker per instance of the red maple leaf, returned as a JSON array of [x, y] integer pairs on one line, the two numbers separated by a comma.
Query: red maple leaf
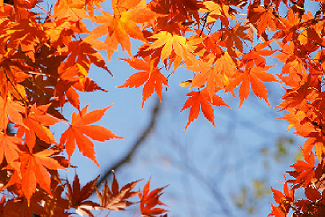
[[151, 199], [77, 195], [304, 170], [284, 200]]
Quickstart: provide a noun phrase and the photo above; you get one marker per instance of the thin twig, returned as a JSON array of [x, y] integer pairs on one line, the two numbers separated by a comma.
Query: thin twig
[[205, 18]]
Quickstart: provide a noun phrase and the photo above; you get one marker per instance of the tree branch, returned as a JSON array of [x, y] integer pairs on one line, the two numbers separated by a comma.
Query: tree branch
[[128, 157]]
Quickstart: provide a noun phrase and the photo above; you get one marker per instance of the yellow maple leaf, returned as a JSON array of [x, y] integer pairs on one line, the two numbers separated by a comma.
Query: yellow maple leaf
[[169, 42]]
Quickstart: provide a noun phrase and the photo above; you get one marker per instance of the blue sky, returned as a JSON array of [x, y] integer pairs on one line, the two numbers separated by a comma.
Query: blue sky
[[227, 156], [205, 165]]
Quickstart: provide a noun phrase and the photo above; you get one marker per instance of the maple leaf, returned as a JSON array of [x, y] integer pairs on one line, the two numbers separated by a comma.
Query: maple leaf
[[304, 170], [253, 77], [262, 18], [294, 66], [295, 118], [312, 194], [151, 199], [171, 42], [81, 55], [122, 25], [233, 36], [10, 110], [19, 207], [149, 75], [34, 169], [215, 11], [23, 36], [9, 149], [284, 200], [290, 23], [211, 45], [202, 101], [77, 196], [115, 199], [56, 205], [79, 127], [216, 76], [255, 56], [37, 124], [12, 74], [65, 89], [69, 11]]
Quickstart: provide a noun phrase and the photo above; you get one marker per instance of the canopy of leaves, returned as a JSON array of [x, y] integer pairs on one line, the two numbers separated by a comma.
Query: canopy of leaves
[[45, 61]]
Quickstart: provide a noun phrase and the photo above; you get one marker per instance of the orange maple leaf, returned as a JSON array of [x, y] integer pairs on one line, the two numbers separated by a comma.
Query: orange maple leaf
[[291, 22], [216, 74], [37, 124], [10, 110], [123, 24], [294, 72], [255, 56], [149, 76], [69, 11], [202, 101], [81, 55], [9, 149], [262, 18], [217, 11], [295, 118], [253, 77], [80, 126], [34, 169], [114, 198]]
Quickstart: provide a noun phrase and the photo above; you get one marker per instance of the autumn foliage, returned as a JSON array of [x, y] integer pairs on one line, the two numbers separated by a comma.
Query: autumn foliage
[[46, 57]]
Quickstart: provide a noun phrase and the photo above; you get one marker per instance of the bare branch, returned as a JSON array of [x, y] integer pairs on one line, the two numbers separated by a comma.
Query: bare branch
[[128, 157]]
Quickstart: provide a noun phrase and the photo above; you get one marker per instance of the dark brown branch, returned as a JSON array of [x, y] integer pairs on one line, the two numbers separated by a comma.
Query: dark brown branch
[[205, 18], [144, 135]]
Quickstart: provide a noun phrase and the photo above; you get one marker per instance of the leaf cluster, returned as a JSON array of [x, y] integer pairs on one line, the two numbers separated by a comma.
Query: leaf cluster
[[45, 60]]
